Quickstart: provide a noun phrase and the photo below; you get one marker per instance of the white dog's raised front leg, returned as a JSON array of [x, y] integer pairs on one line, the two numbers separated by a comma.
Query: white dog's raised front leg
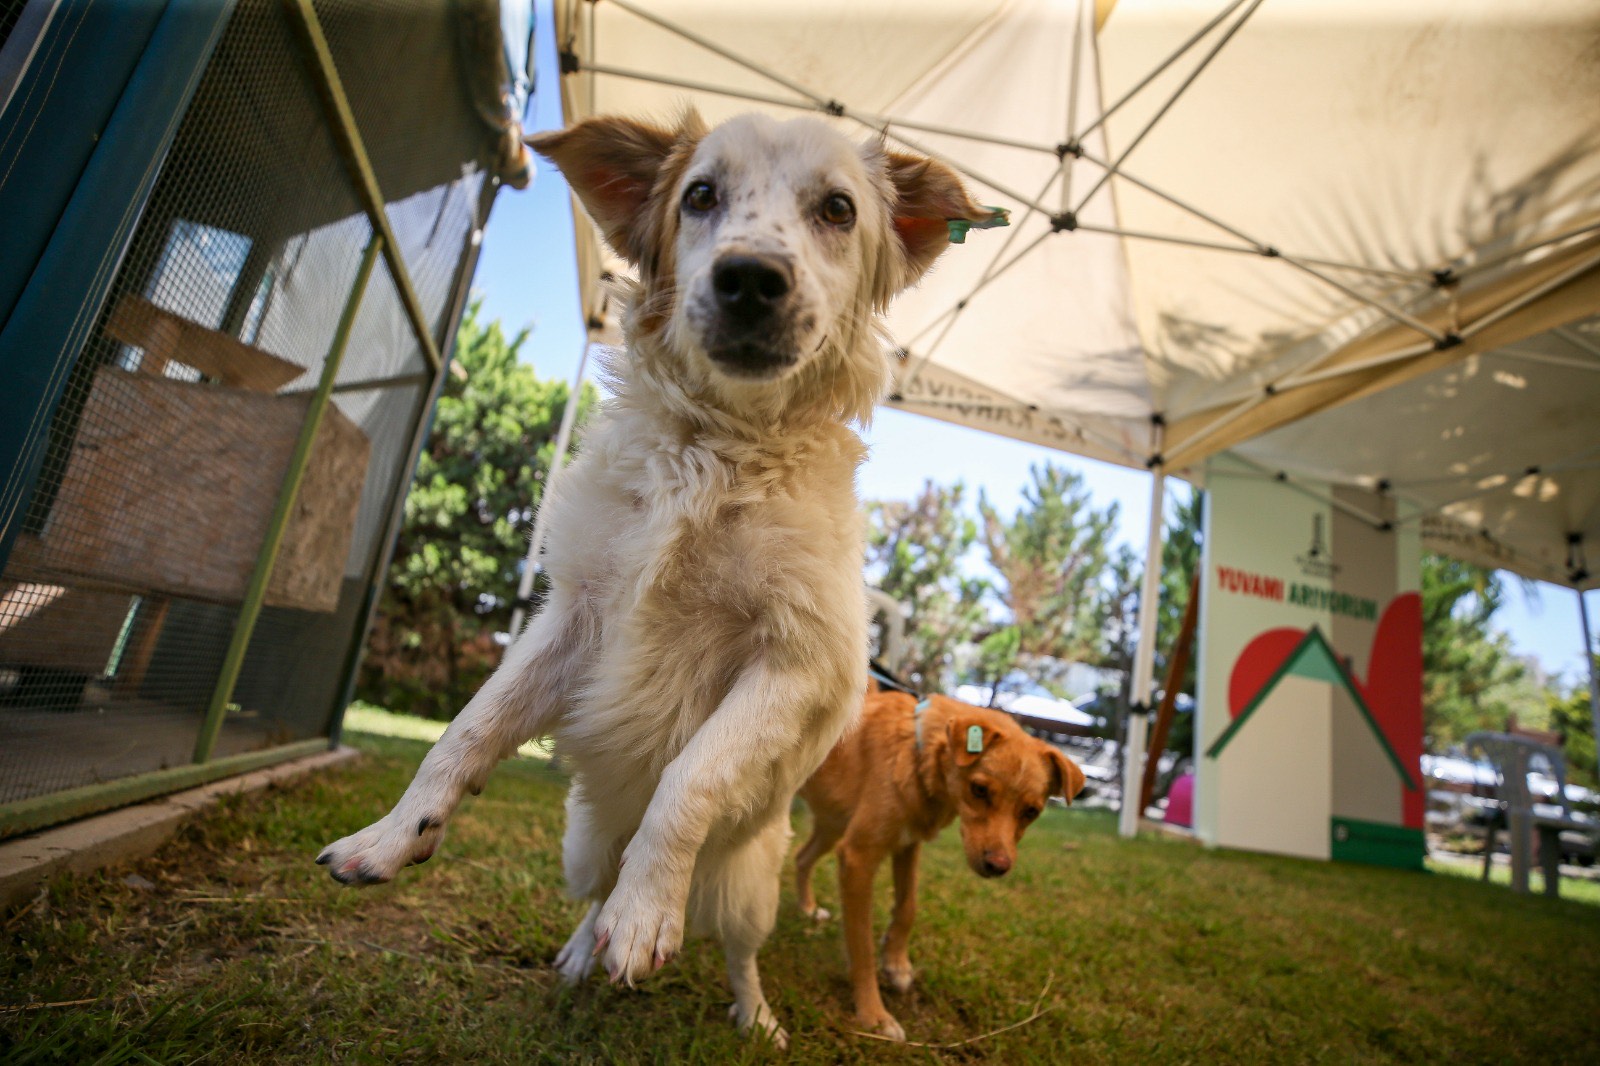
[[728, 767], [521, 700]]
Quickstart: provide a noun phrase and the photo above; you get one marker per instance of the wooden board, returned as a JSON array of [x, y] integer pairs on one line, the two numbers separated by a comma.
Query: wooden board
[[170, 486], [165, 338], [52, 626]]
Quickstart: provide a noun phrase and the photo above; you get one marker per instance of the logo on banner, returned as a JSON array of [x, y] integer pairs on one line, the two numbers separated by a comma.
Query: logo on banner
[[1317, 561]]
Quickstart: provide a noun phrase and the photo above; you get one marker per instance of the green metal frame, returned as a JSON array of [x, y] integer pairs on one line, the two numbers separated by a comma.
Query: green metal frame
[[40, 811], [342, 120]]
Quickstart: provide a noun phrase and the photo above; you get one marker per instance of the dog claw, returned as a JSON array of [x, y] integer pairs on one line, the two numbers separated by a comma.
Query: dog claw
[[325, 858], [600, 944]]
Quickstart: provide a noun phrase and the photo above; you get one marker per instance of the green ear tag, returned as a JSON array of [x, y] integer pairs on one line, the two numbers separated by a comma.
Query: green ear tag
[[975, 739]]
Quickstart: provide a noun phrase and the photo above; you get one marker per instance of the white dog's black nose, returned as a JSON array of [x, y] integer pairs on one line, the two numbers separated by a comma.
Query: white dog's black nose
[[750, 287]]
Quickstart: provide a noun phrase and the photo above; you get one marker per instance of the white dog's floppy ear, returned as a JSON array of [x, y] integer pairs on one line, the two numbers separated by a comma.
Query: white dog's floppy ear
[[616, 165], [929, 196]]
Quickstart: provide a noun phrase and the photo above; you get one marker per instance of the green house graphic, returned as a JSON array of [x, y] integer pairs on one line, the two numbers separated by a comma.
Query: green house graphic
[[1305, 770]]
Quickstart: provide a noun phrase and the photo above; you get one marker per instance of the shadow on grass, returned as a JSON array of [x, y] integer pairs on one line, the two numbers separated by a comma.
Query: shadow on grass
[[230, 945]]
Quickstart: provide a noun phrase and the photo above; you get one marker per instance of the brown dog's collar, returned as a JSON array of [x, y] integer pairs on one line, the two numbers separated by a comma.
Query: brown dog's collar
[[916, 718]]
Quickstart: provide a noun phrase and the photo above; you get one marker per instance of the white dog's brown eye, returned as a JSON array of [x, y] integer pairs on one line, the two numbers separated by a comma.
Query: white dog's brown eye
[[700, 196], [838, 210]]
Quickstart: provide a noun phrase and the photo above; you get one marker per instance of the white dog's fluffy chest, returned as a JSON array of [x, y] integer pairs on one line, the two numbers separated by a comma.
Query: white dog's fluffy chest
[[696, 559]]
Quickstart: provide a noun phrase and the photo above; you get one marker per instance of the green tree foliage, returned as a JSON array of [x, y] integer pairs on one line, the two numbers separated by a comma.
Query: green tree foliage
[[1572, 717], [1180, 562], [1471, 678], [1050, 557], [1116, 620], [467, 519], [1116, 611], [914, 553]]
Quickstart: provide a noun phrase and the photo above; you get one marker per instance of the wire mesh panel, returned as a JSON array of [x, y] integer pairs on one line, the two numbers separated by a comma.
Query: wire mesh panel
[[170, 445], [298, 657], [159, 534], [10, 14]]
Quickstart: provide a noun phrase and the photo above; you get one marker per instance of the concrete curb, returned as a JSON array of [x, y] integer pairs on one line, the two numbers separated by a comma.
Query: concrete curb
[[131, 832]]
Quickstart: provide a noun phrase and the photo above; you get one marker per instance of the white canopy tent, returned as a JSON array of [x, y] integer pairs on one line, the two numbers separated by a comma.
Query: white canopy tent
[[1350, 241]]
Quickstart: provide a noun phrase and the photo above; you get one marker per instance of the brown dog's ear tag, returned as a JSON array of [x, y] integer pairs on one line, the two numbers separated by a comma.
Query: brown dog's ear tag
[[975, 740]]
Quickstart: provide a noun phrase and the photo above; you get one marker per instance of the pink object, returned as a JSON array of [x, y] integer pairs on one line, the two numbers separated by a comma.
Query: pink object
[[1180, 801]]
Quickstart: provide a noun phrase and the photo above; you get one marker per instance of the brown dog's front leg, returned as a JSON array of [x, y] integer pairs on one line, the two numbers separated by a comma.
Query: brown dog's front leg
[[896, 960], [855, 891]]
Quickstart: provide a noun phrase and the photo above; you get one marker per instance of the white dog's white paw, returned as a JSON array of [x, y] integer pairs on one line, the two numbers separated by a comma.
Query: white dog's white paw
[[375, 854], [760, 1022], [575, 960], [639, 931], [818, 914]]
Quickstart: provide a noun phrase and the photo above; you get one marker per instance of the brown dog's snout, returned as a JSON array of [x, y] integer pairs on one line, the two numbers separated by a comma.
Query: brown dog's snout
[[750, 287], [996, 864]]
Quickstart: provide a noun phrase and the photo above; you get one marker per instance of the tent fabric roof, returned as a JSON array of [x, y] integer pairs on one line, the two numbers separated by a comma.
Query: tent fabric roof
[[1351, 240]]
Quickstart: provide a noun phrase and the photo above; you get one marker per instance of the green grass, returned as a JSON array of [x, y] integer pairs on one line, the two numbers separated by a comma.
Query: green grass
[[1582, 891], [230, 946], [369, 718]]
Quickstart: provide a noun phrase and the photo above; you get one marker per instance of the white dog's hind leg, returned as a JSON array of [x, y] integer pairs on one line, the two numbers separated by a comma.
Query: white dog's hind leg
[[520, 701], [590, 862], [740, 892], [575, 960]]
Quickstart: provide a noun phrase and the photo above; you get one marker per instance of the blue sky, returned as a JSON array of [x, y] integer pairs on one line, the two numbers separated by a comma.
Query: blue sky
[[526, 275]]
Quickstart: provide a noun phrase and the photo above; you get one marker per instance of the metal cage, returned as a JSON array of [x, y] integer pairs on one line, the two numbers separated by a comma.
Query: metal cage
[[238, 243]]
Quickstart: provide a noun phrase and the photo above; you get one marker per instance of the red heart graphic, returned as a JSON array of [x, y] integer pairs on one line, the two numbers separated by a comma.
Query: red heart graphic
[[1392, 690]]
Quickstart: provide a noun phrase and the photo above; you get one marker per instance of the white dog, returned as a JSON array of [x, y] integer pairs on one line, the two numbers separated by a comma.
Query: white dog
[[703, 644]]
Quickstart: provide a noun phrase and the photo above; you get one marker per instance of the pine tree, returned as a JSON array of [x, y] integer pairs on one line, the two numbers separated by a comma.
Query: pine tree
[[467, 518]]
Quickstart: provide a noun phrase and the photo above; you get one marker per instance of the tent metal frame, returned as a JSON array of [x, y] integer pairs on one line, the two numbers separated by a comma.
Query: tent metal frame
[[1315, 267]]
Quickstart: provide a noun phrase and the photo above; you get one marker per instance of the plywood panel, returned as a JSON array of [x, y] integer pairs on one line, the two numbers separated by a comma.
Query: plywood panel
[[165, 337], [1274, 779], [52, 626], [170, 485]]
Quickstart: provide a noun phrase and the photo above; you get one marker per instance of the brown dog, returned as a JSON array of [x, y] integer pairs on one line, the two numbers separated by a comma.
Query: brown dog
[[907, 771]]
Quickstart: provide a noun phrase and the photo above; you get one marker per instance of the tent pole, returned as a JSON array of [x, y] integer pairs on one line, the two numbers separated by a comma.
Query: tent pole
[[530, 567], [1572, 362], [1573, 337], [1593, 662], [1144, 659], [1578, 566]]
